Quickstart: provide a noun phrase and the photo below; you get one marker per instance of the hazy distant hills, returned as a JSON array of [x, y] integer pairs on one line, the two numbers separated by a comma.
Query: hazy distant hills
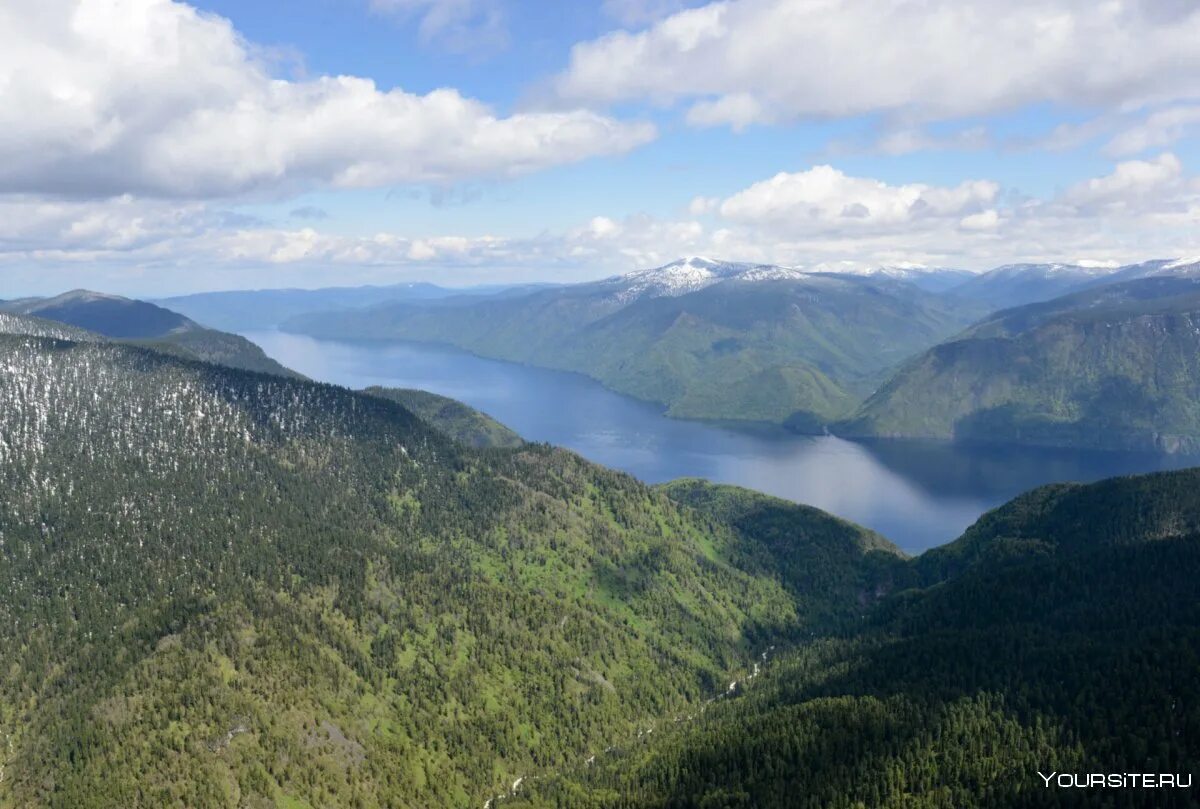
[[1070, 356], [706, 339], [90, 316], [1054, 354], [110, 315], [1115, 366], [1019, 284], [250, 310], [246, 310]]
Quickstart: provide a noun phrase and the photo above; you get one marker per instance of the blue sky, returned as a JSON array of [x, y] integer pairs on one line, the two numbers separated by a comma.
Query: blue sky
[[158, 147]]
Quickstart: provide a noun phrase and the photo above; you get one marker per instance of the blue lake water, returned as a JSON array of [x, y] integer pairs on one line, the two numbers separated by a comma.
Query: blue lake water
[[918, 494]]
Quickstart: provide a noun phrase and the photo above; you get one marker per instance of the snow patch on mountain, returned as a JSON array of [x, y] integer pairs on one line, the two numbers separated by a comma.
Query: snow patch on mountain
[[687, 275], [1191, 263]]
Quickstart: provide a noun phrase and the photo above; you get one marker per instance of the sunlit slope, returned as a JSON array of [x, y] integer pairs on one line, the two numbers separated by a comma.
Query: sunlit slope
[[225, 588], [789, 347]]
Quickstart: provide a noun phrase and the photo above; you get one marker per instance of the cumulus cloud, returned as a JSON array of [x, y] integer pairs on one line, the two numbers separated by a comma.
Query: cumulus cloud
[[819, 217], [1132, 182], [769, 60], [154, 98], [984, 220], [824, 196]]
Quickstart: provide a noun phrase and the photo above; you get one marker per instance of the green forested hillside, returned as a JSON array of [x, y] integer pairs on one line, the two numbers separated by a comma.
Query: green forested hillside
[[833, 569], [460, 422], [1061, 634], [801, 349], [230, 589], [221, 348], [1117, 367], [188, 341], [223, 588]]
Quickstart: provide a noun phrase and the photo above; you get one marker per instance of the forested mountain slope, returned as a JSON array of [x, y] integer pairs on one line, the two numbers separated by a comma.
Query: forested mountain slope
[[1115, 367], [1061, 634], [37, 327], [825, 562], [221, 588], [451, 417], [705, 339], [135, 322], [221, 348]]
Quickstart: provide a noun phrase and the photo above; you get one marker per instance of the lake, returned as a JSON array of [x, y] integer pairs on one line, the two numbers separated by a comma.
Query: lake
[[918, 494]]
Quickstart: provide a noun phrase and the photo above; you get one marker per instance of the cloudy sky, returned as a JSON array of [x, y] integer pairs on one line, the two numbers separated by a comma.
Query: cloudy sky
[[151, 147]]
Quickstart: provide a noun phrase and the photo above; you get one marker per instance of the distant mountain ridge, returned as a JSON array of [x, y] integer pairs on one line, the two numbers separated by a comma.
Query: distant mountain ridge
[[1018, 284], [692, 274], [1110, 367], [86, 316], [110, 315], [706, 339]]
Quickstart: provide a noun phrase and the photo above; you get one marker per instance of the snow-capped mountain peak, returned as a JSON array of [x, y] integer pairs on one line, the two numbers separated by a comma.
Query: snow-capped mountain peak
[[690, 274], [1180, 263]]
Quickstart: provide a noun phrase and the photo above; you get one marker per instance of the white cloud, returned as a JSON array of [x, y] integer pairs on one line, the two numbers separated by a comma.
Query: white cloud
[[984, 220], [769, 60], [1138, 210], [602, 227], [152, 97], [824, 196], [1130, 183], [736, 110], [905, 140], [1160, 128]]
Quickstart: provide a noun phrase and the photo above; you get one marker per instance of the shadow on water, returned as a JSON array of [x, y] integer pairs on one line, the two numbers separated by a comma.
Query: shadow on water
[[918, 494]]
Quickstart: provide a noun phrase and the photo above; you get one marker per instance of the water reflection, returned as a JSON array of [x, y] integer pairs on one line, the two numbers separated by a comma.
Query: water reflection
[[918, 494]]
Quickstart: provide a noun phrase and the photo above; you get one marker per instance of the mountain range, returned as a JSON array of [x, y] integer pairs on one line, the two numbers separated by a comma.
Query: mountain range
[[227, 588], [899, 351], [1112, 367], [705, 339], [891, 351]]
